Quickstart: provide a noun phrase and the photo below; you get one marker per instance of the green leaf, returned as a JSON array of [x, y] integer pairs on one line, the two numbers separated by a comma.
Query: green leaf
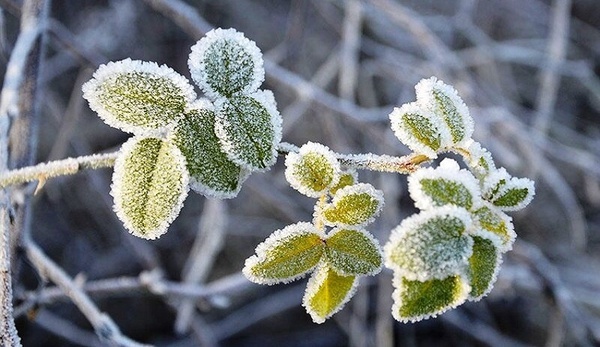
[[225, 63], [431, 244], [483, 267], [444, 102], [150, 183], [353, 252], [497, 222], [249, 129], [415, 128], [211, 172], [136, 96], [442, 192], [506, 192], [347, 178], [418, 300], [286, 255], [355, 205], [327, 292], [313, 170]]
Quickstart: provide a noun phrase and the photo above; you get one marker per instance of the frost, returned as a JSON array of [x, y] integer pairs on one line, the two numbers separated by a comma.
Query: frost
[[354, 206], [353, 252], [442, 100], [313, 170], [211, 172], [418, 300], [248, 131], [138, 97], [447, 184], [418, 129], [225, 62], [347, 178], [288, 254], [327, 292], [493, 220], [150, 183], [506, 192], [431, 244], [479, 160]]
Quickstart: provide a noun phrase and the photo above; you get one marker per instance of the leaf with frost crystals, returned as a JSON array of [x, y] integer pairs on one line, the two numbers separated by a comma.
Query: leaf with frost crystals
[[138, 97], [506, 192], [249, 129], [443, 101], [327, 292], [484, 265], [418, 300], [431, 244], [479, 160], [150, 183], [417, 129], [225, 62], [211, 172], [347, 178], [446, 184], [353, 252], [497, 222], [355, 205], [313, 170], [286, 255]]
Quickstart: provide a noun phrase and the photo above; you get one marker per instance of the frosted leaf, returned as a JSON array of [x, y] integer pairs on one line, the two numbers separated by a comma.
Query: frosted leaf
[[353, 252], [138, 97], [353, 206], [479, 160], [484, 265], [211, 172], [313, 170], [347, 178], [506, 192], [327, 292], [286, 255], [431, 244], [225, 62], [443, 101], [249, 129], [497, 222], [446, 184], [418, 300], [418, 129], [150, 183]]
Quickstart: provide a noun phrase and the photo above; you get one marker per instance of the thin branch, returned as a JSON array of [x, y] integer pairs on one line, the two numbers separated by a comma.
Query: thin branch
[[104, 326], [64, 167]]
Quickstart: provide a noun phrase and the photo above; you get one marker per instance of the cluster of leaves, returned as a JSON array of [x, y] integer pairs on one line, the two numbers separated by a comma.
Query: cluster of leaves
[[179, 141], [336, 258], [446, 254], [451, 251]]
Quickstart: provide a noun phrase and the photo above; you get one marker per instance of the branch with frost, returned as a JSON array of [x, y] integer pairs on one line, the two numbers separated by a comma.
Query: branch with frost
[[104, 326], [64, 167]]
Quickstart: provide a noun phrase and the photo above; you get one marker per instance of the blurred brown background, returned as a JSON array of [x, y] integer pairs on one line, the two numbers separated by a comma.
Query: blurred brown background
[[527, 69]]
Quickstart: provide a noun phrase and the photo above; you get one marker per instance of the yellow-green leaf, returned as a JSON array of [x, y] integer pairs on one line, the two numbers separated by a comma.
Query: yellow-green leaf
[[327, 292], [313, 170], [416, 300], [347, 178], [211, 172], [355, 205], [443, 191], [497, 222], [286, 255], [137, 96], [150, 183], [414, 127], [353, 252], [483, 267]]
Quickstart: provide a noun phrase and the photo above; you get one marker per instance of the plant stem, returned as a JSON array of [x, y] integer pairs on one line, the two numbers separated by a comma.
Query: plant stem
[[57, 168]]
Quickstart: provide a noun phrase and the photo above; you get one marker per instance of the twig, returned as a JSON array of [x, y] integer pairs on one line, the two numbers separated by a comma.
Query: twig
[[66, 329], [69, 166], [104, 326], [350, 49], [209, 242]]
